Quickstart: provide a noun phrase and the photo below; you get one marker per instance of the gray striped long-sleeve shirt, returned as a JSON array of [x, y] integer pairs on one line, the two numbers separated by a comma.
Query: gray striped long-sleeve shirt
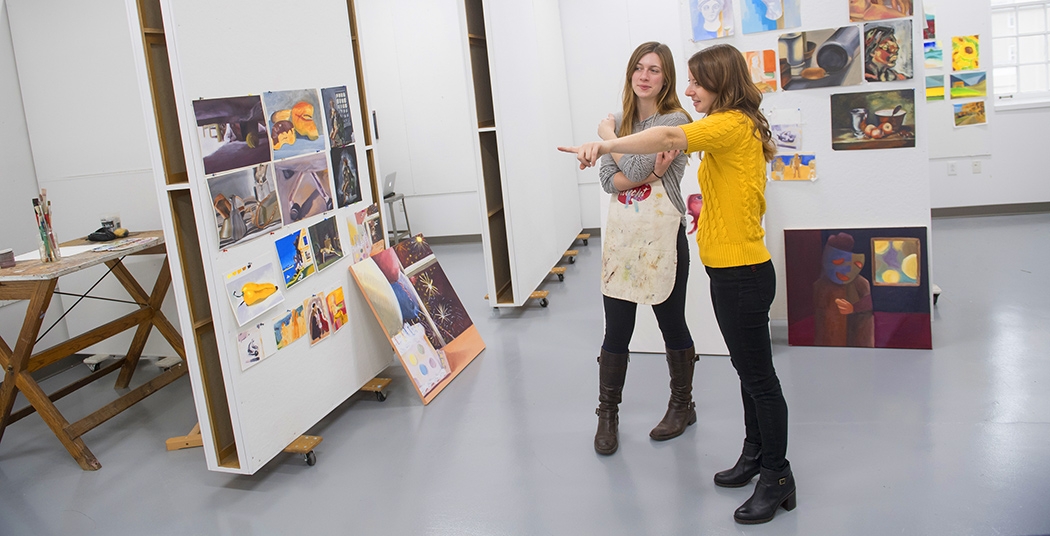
[[638, 167]]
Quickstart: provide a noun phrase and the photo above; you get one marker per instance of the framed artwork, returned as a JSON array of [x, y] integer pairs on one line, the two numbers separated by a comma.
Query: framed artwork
[[969, 114], [293, 128], [933, 56], [821, 58], [318, 321], [338, 119], [303, 187], [295, 256], [888, 51], [861, 287], [710, 19], [966, 52], [245, 203], [935, 87], [324, 239], [873, 120], [762, 64], [289, 327], [765, 15], [969, 84], [793, 167], [232, 133], [344, 169], [252, 290], [337, 308]]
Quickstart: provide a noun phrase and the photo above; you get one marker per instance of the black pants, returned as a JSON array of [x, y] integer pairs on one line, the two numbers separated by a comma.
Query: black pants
[[741, 296], [670, 314]]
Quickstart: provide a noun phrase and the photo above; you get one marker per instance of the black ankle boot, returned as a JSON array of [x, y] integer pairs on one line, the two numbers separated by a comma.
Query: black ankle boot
[[774, 489], [612, 370], [681, 411], [747, 466]]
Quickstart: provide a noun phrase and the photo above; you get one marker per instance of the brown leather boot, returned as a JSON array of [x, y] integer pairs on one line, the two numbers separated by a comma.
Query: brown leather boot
[[681, 411], [612, 371]]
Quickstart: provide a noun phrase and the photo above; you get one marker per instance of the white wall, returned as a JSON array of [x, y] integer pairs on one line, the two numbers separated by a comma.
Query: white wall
[[85, 126], [1007, 149], [18, 180]]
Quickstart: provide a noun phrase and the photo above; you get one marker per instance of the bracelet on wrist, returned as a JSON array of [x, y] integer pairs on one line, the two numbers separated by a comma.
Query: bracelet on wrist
[[658, 176]]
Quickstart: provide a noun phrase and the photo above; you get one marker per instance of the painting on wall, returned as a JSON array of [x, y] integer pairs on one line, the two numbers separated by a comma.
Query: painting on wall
[[255, 344], [373, 222], [344, 169], [873, 120], [929, 31], [693, 205], [966, 51], [821, 58], [969, 84], [252, 290], [765, 15], [303, 187], [861, 10], [289, 327], [710, 19], [969, 114], [888, 51], [834, 296], [318, 322], [935, 87], [763, 67], [294, 130], [422, 304], [787, 136], [933, 56], [295, 256], [232, 133], [245, 203], [360, 241], [324, 238], [338, 119], [793, 167], [337, 308]]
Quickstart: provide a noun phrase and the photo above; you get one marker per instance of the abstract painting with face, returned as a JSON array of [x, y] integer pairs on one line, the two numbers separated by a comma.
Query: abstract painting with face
[[887, 51], [711, 18], [858, 287]]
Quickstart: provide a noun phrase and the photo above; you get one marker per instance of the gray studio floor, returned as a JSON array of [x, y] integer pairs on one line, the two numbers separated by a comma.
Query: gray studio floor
[[952, 441]]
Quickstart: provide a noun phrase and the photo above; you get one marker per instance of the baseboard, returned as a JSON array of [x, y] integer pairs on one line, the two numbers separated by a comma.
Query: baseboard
[[454, 239], [990, 210]]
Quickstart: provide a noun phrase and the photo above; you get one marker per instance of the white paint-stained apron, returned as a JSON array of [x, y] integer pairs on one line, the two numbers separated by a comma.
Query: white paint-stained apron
[[639, 245]]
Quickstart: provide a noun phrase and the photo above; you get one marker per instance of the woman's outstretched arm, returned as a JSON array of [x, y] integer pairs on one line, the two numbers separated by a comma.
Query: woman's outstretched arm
[[653, 140]]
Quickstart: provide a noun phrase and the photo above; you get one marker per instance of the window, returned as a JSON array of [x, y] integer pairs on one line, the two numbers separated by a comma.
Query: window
[[1021, 51]]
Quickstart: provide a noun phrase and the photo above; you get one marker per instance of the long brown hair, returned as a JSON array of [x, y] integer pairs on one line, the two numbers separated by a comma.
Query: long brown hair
[[721, 70], [666, 101]]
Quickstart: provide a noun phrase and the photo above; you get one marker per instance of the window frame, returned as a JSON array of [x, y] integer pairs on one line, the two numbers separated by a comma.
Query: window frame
[[1018, 99]]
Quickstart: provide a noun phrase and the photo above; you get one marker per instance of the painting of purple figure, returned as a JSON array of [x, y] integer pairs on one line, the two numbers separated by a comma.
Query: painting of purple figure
[[710, 19], [764, 15], [846, 288], [888, 51], [293, 127], [303, 187], [821, 58], [337, 116], [232, 133], [344, 170]]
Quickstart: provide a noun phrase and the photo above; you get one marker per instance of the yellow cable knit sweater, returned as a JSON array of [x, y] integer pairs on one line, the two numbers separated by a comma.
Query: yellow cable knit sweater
[[732, 179]]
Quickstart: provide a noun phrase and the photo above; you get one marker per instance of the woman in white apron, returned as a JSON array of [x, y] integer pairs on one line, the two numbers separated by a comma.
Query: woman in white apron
[[645, 256]]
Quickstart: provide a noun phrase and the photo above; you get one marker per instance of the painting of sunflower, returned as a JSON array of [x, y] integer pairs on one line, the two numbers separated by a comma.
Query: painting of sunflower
[[966, 50]]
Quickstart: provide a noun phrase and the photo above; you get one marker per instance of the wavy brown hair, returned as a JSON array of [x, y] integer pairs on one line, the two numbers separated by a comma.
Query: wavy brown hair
[[666, 101], [721, 70]]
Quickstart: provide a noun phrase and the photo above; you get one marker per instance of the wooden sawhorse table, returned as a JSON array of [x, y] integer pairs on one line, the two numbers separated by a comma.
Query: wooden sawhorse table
[[35, 281]]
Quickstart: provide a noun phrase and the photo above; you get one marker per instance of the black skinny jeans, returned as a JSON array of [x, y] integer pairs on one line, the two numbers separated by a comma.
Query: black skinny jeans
[[670, 314], [741, 296]]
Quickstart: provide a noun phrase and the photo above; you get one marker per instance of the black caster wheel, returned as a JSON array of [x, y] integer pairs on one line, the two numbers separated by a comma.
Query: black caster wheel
[[561, 277], [311, 458], [295, 211], [572, 260], [380, 396], [585, 241], [543, 302]]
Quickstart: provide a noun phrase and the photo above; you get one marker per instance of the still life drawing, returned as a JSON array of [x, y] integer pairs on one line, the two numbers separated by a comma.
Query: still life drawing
[[293, 127], [232, 133], [252, 290], [245, 203], [873, 120], [303, 187], [821, 58]]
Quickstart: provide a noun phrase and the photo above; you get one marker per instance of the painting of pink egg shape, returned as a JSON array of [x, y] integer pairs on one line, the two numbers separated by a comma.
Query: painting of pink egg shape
[[861, 287], [232, 133]]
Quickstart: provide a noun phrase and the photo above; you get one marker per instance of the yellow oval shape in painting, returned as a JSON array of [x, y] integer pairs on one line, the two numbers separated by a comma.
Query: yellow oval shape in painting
[[898, 245], [882, 246], [910, 266], [891, 276]]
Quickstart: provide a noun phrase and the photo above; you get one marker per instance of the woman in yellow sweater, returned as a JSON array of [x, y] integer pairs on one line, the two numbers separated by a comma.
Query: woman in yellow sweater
[[735, 139]]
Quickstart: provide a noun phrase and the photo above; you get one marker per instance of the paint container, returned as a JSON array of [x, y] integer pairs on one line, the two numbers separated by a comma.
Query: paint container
[[7, 258], [110, 221], [796, 51]]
